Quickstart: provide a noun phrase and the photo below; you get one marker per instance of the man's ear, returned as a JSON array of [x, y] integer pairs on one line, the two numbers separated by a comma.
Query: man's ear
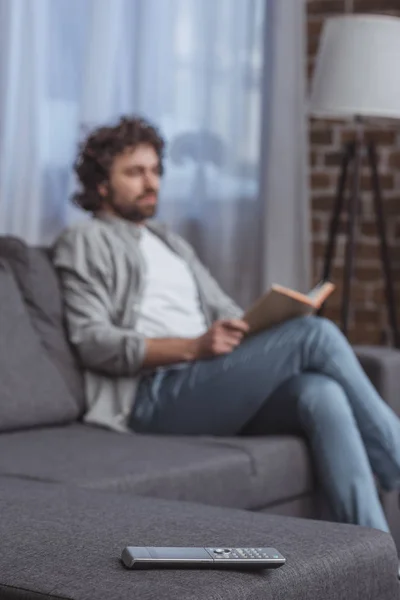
[[102, 188]]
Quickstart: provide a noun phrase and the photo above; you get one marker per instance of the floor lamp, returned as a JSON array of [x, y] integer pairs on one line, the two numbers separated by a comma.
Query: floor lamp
[[357, 77]]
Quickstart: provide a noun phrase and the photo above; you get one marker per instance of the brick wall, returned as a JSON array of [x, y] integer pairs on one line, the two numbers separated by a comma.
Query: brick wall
[[368, 320]]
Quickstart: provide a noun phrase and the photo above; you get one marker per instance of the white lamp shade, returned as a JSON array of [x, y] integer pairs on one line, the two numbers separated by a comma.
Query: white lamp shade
[[357, 71]]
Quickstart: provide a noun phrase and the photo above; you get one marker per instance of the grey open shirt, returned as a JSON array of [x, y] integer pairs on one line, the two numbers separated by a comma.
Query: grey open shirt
[[102, 277]]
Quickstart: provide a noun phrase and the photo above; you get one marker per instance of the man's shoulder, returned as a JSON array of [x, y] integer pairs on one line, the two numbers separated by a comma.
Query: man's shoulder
[[87, 228], [81, 241], [88, 233]]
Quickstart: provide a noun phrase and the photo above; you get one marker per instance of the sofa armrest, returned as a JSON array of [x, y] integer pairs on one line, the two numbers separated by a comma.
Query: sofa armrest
[[382, 365]]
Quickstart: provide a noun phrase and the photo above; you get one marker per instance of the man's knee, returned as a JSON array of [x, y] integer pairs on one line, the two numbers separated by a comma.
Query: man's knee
[[323, 399], [324, 325], [323, 329]]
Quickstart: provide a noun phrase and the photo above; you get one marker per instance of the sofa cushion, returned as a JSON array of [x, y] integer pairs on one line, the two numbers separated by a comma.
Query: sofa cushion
[[32, 392], [39, 286], [231, 472], [60, 542], [382, 366], [280, 465]]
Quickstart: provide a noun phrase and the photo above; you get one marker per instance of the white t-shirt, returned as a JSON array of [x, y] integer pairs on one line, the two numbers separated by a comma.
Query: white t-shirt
[[170, 305]]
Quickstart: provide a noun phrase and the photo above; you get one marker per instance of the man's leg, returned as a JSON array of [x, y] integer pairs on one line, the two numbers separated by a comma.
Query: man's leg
[[221, 395], [318, 406]]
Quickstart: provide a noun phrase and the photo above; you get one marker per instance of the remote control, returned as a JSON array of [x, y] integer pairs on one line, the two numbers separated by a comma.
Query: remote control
[[136, 557]]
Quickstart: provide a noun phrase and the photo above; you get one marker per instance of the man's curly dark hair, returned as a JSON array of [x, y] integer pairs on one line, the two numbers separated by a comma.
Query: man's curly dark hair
[[98, 151]]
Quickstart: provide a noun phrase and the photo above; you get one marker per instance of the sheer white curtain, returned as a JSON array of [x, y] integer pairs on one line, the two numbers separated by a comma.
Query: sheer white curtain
[[284, 193], [196, 69]]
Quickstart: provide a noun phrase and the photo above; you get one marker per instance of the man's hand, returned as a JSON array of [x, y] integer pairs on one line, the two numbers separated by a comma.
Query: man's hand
[[222, 337]]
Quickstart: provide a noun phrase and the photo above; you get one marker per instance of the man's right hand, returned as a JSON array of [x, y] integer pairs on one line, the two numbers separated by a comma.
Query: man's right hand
[[221, 338]]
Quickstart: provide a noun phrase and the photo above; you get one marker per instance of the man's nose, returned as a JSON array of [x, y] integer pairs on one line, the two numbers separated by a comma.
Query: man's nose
[[151, 180]]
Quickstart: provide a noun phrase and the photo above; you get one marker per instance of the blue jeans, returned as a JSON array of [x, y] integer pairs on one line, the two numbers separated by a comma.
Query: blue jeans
[[302, 376]]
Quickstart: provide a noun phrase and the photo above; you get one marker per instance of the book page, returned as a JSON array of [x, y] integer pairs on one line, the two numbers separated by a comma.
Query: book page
[[281, 304], [321, 291]]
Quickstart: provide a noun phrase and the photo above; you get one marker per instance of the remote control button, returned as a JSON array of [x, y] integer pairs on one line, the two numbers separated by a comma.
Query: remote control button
[[218, 550], [227, 551]]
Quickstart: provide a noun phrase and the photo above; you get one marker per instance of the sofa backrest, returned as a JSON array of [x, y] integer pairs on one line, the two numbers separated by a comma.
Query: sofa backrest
[[40, 289], [32, 391]]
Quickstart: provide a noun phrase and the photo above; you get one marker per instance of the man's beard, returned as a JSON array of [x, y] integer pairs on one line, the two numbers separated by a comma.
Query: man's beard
[[132, 211]]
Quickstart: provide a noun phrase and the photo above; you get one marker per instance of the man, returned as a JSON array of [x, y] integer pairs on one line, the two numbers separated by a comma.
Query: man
[[165, 350]]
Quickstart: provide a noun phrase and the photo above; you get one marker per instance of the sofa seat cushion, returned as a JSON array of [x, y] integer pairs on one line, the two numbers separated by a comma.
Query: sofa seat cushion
[[235, 472], [32, 391], [63, 542]]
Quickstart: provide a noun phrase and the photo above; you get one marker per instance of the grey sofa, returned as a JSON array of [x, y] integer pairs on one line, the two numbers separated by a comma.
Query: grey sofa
[[72, 496]]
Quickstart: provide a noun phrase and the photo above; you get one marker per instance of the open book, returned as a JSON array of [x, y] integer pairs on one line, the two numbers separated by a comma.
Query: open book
[[280, 304]]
